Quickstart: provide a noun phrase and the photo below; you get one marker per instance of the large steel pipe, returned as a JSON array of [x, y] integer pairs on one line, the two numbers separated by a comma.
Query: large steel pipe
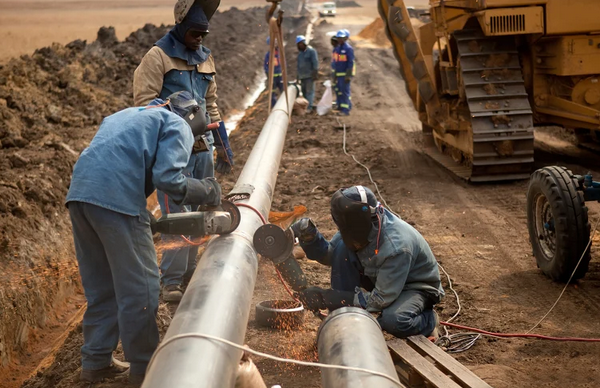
[[217, 300], [351, 337]]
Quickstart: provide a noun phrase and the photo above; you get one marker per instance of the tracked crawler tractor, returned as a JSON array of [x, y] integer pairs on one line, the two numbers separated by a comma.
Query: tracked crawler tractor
[[482, 73]]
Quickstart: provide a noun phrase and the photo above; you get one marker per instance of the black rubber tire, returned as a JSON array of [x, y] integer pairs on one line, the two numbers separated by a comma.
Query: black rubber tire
[[571, 226]]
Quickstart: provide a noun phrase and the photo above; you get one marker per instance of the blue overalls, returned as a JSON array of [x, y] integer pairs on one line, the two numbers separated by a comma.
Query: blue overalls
[[277, 75], [396, 275], [179, 264], [343, 65], [134, 151]]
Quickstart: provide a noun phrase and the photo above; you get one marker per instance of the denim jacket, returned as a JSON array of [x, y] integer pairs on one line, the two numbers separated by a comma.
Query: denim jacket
[[308, 63], [134, 151], [404, 261]]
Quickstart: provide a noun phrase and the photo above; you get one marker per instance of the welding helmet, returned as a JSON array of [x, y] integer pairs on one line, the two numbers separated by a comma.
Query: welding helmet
[[300, 38], [353, 210], [182, 7], [184, 104]]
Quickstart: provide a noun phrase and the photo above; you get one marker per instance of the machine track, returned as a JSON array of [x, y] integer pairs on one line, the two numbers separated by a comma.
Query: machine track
[[499, 111]]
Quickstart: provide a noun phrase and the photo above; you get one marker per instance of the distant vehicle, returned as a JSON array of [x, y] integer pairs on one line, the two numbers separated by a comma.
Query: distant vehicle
[[328, 9]]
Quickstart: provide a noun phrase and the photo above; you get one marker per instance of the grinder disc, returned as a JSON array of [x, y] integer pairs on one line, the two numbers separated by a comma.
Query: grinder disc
[[273, 242], [230, 207]]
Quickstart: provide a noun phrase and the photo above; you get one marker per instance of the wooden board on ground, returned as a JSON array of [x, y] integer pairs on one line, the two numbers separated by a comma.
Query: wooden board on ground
[[420, 363]]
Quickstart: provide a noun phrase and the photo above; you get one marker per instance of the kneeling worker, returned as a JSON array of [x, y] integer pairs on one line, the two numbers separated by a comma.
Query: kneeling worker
[[378, 262], [134, 151]]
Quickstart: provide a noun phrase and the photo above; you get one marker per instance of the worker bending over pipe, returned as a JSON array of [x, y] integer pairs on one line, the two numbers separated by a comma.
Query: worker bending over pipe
[[378, 262]]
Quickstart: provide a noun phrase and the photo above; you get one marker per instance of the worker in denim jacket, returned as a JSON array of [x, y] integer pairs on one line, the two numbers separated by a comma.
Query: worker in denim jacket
[[179, 62], [378, 262]]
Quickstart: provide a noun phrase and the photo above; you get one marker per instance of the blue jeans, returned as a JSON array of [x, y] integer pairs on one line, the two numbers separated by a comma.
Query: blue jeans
[[180, 263], [410, 314], [117, 264], [307, 86], [277, 85], [344, 96]]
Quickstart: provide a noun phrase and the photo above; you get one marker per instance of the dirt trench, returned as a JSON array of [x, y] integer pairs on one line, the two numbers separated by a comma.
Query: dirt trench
[[477, 232], [51, 103]]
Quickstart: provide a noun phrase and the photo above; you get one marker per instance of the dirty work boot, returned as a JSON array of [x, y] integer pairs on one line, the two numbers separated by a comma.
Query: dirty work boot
[[172, 293], [94, 376], [435, 334]]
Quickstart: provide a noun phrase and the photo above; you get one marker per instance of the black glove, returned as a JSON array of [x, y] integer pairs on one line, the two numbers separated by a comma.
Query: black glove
[[335, 299], [305, 229], [202, 192], [312, 298], [347, 78], [224, 162]]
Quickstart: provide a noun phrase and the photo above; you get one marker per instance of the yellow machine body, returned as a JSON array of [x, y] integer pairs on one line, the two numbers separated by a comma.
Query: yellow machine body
[[499, 67]]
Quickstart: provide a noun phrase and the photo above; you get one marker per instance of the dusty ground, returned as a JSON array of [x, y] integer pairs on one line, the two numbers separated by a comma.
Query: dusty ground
[[478, 232]]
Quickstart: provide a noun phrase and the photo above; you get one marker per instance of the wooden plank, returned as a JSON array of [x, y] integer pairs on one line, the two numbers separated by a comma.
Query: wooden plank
[[447, 363], [433, 376]]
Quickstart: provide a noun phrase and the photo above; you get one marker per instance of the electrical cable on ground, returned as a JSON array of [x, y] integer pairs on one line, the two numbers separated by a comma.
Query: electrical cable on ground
[[269, 356], [570, 278], [460, 342]]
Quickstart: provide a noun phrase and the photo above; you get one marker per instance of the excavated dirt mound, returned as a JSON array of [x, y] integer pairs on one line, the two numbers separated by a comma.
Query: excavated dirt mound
[[375, 32], [51, 103]]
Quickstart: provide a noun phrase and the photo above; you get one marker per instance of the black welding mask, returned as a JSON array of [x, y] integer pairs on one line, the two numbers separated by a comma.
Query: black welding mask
[[353, 210], [184, 104]]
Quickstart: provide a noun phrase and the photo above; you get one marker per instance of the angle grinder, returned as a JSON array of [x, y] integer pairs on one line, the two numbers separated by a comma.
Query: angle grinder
[[222, 219]]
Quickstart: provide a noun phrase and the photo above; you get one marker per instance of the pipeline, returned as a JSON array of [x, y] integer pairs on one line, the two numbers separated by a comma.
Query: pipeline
[[218, 298], [366, 349]]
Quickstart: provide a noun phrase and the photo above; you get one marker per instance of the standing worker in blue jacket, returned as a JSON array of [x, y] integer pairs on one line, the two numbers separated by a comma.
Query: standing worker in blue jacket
[[343, 65], [334, 44], [378, 262], [134, 151], [277, 74], [308, 70], [179, 61]]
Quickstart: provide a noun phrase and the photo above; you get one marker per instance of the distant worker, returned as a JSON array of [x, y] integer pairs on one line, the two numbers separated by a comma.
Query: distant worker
[[179, 61], [308, 69], [334, 44], [134, 151], [343, 58], [378, 262], [277, 73]]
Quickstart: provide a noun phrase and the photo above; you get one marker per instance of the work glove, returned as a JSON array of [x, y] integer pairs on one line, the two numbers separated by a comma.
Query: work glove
[[335, 299], [202, 192], [312, 298], [305, 229], [224, 152], [347, 78]]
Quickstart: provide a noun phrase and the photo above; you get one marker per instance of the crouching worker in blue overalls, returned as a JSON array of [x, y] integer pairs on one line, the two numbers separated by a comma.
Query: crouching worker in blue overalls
[[277, 73], [134, 152], [378, 262]]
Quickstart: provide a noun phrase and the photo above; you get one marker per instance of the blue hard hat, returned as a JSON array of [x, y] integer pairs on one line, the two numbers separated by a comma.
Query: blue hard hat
[[300, 38], [347, 32], [341, 34]]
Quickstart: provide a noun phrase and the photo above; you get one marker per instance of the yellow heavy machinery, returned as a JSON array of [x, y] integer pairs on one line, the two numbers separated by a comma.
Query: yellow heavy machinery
[[482, 73]]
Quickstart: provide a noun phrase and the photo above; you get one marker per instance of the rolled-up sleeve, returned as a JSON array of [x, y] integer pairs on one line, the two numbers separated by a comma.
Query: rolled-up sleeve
[[148, 78]]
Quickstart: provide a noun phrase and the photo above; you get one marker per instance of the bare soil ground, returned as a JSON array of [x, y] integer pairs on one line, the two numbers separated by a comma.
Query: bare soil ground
[[478, 232]]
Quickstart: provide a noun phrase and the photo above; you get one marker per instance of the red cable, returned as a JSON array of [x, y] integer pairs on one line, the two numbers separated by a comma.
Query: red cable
[[287, 288], [520, 335], [255, 210]]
